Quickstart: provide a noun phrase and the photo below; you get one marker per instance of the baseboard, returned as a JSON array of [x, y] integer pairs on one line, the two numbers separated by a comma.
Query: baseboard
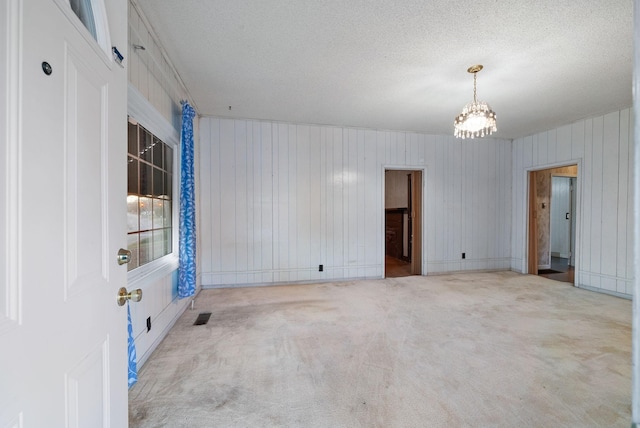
[[143, 359], [604, 291], [548, 266]]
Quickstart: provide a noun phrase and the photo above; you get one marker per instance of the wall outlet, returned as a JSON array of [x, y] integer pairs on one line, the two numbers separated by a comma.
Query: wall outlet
[[464, 255], [320, 268], [148, 324]]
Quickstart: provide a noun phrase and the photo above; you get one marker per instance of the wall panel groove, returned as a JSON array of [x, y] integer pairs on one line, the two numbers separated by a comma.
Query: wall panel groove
[[603, 148], [319, 200]]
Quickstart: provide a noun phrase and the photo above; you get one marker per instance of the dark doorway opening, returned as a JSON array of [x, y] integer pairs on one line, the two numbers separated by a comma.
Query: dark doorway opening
[[403, 225]]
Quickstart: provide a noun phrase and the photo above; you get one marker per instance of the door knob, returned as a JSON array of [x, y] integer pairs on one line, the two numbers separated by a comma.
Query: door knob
[[123, 296], [124, 256]]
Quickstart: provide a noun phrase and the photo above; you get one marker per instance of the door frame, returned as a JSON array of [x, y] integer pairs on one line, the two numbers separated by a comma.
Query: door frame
[[423, 170], [526, 190]]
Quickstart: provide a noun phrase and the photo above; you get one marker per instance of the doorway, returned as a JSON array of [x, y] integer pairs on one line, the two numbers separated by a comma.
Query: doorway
[[403, 223], [552, 223]]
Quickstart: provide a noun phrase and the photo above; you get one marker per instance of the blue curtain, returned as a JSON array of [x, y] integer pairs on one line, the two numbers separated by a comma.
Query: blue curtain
[[187, 251], [133, 359]]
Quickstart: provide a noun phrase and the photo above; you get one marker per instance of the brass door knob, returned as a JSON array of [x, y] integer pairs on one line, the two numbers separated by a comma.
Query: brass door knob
[[133, 295], [124, 256]]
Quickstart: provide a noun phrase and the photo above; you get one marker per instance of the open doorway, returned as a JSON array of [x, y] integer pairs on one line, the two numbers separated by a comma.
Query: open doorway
[[403, 225], [552, 223]]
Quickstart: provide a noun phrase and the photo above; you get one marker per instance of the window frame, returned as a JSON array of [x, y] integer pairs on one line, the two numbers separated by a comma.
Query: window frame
[[143, 113]]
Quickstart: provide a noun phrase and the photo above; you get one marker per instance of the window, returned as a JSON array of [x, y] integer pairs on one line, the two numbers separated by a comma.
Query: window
[[149, 204], [84, 10]]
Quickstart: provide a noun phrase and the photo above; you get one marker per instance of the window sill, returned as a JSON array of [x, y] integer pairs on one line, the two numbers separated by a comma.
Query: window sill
[[152, 271]]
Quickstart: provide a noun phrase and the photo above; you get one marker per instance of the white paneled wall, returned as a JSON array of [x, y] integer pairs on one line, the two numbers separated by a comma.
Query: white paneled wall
[[279, 199], [602, 148], [151, 71], [153, 79]]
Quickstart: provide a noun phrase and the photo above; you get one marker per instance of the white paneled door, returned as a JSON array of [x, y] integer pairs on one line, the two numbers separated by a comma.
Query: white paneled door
[[63, 357]]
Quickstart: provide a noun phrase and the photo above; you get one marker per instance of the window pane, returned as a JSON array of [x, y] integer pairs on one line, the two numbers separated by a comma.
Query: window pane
[[158, 214], [167, 214], [158, 182], [168, 240], [168, 158], [133, 139], [146, 142], [146, 179], [158, 244], [168, 186], [132, 213], [133, 246], [132, 174], [146, 213], [84, 11], [149, 192], [146, 248], [158, 149]]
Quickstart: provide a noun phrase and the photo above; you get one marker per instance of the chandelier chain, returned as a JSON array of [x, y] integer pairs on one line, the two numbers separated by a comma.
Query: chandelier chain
[[475, 90]]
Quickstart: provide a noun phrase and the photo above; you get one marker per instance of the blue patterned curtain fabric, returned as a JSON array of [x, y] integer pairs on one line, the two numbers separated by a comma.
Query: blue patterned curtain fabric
[[133, 359], [187, 269]]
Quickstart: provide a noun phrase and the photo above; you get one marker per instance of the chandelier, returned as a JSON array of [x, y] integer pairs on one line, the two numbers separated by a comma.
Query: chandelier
[[477, 119]]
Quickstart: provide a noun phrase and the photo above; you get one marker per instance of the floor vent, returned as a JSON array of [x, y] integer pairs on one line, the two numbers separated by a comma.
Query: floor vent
[[203, 318]]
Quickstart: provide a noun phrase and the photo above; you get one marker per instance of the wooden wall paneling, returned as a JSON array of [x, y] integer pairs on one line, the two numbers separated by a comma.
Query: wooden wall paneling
[[429, 216], [249, 201], [624, 199], [372, 223], [290, 245], [325, 204], [304, 214], [630, 206], [361, 198], [316, 215], [609, 222], [350, 177], [240, 198], [215, 202], [552, 146], [577, 140], [339, 218], [596, 201], [563, 144], [586, 178], [204, 204], [227, 201], [454, 253], [543, 148]]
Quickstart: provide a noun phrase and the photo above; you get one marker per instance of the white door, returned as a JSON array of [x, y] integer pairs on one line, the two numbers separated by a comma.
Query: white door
[[62, 218], [560, 216]]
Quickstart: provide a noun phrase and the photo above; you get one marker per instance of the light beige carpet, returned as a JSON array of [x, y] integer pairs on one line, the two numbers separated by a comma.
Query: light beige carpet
[[489, 349]]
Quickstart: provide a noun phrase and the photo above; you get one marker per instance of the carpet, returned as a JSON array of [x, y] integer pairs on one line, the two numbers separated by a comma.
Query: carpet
[[465, 350]]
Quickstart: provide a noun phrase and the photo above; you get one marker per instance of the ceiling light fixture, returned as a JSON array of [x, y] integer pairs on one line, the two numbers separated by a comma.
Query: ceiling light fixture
[[477, 119]]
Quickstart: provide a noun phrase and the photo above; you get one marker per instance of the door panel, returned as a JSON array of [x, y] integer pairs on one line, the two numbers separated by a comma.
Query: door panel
[[64, 220]]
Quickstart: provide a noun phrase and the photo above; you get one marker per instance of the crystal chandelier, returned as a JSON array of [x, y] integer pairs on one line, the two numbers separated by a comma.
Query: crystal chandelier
[[477, 119]]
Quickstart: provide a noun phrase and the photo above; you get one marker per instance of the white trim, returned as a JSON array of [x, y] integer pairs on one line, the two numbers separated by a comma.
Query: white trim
[[102, 45], [578, 214], [143, 112], [423, 168], [140, 109]]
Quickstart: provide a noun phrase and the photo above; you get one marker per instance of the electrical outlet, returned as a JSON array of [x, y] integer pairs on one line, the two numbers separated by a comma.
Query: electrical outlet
[[464, 255], [148, 324], [320, 268]]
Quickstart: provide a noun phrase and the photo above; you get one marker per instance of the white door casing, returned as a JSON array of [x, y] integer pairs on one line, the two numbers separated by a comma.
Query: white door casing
[[63, 359]]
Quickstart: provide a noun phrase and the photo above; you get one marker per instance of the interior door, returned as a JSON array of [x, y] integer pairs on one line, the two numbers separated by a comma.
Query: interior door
[[64, 357], [560, 217]]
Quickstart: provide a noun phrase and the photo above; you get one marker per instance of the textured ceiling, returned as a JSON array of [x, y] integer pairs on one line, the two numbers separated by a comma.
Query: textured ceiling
[[400, 64]]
